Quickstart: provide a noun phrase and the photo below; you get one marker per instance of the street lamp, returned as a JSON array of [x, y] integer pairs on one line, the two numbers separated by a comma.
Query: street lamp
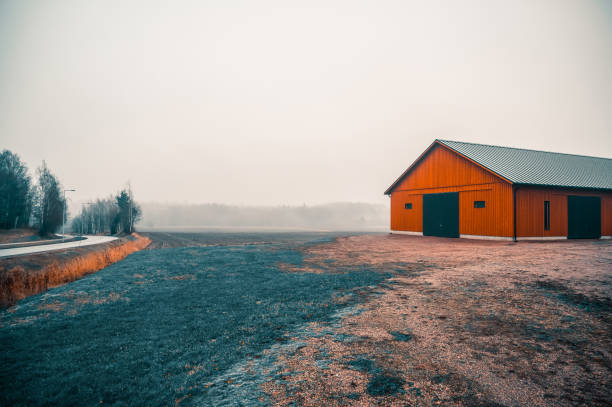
[[64, 214]]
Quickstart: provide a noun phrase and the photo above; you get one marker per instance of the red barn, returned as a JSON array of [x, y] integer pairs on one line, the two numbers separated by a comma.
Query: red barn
[[457, 189]]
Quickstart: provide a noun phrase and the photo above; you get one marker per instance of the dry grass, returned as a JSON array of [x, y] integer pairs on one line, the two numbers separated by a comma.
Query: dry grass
[[18, 235], [26, 276]]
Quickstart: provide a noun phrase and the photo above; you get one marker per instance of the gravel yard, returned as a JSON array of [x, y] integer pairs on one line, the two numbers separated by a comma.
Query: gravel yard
[[462, 323]]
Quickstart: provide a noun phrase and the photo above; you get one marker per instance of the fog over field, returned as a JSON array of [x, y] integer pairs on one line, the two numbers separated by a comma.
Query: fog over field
[[335, 216]]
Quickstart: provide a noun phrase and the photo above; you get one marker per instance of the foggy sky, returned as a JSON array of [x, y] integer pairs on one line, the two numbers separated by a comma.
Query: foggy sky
[[280, 102]]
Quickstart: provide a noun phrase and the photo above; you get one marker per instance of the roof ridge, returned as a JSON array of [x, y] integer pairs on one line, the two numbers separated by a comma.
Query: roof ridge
[[522, 149]]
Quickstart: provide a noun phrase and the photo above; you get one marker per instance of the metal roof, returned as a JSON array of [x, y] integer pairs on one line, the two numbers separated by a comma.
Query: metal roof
[[532, 167]]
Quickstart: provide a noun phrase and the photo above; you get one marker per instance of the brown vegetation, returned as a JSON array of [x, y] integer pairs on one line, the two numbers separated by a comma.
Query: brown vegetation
[[462, 323], [23, 276]]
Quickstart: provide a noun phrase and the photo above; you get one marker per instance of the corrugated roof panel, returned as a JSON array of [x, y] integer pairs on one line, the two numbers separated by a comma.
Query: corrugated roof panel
[[539, 167]]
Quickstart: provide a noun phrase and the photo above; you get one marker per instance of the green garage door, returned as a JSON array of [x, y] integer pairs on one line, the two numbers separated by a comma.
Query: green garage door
[[583, 217], [441, 214]]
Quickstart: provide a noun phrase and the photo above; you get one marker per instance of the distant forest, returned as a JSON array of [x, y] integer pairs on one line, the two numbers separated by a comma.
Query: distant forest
[[334, 216]]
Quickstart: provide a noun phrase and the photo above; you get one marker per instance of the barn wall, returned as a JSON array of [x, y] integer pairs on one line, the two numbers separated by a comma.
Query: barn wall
[[530, 211], [442, 170], [407, 219], [442, 167], [606, 214], [495, 219]]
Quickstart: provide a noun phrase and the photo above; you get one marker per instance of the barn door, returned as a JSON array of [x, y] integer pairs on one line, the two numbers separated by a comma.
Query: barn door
[[441, 214], [583, 217]]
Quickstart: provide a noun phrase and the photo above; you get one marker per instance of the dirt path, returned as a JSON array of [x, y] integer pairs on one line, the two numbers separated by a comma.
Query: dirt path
[[463, 323]]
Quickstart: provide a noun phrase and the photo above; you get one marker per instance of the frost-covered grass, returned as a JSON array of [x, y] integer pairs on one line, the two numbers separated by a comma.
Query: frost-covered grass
[[159, 327]]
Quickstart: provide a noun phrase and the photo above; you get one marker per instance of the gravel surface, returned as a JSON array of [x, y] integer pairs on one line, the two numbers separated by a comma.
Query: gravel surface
[[465, 323]]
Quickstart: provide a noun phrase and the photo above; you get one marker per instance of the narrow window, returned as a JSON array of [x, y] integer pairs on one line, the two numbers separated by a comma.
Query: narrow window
[[479, 204], [546, 215], [408, 205]]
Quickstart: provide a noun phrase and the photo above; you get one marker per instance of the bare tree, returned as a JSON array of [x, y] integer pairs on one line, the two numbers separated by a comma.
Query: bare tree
[[113, 215], [48, 201], [129, 211]]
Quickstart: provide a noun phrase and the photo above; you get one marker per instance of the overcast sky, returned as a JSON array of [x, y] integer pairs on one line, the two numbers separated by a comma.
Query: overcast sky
[[280, 102]]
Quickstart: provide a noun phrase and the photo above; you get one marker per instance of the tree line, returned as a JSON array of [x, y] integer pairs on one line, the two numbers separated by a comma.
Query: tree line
[[24, 203], [40, 203], [115, 214]]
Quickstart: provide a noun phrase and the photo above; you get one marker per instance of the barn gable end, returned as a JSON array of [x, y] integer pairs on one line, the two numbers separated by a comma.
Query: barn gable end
[[441, 170], [441, 167]]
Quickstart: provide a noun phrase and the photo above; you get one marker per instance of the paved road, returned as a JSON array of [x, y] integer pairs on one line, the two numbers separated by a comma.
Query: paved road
[[90, 240], [69, 238]]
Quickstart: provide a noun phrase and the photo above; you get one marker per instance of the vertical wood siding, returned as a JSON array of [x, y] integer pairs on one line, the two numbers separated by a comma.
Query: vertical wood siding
[[530, 211], [606, 214], [406, 219], [445, 168], [495, 219], [442, 170]]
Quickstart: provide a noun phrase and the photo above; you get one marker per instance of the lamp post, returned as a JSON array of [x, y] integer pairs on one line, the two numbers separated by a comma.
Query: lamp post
[[64, 214]]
